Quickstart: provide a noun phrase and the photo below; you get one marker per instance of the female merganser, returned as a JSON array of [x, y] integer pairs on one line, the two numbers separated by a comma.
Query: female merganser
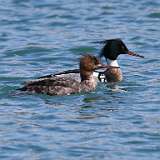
[[111, 50], [67, 85]]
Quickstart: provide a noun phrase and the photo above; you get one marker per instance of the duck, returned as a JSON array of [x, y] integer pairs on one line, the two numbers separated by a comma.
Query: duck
[[54, 85], [110, 51]]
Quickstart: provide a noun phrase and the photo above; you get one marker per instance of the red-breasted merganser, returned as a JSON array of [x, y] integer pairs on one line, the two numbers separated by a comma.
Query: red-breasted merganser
[[67, 85], [111, 50]]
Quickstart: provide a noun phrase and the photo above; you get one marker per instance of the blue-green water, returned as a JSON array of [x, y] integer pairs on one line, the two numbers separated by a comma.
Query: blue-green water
[[47, 36]]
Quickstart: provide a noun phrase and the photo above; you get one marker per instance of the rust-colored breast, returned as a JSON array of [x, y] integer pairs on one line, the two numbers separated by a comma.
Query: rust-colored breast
[[113, 75]]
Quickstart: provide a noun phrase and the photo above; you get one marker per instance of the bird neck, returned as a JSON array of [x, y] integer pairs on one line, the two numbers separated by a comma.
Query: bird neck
[[86, 75], [88, 81], [113, 63]]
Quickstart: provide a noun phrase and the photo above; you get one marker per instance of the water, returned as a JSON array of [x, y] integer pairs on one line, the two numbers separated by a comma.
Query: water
[[42, 37]]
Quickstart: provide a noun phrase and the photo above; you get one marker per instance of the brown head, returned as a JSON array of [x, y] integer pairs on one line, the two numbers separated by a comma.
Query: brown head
[[88, 64]]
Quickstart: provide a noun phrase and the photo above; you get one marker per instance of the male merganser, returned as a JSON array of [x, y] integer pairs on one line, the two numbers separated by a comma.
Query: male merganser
[[67, 85], [111, 50]]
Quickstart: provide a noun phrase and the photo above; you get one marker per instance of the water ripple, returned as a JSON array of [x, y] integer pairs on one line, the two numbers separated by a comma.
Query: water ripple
[[114, 122]]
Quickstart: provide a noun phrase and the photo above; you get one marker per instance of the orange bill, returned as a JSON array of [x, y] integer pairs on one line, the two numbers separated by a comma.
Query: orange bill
[[134, 54]]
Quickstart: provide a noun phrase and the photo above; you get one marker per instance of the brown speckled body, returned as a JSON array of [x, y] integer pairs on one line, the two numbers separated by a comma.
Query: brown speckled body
[[59, 86], [53, 86], [113, 75]]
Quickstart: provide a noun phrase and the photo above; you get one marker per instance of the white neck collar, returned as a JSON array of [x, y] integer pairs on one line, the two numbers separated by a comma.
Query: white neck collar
[[113, 63]]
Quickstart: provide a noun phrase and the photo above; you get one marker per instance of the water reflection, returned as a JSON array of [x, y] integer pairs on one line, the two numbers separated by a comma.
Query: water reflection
[[95, 106]]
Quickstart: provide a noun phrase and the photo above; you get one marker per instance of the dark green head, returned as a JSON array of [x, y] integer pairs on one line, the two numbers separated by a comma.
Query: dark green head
[[114, 47]]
